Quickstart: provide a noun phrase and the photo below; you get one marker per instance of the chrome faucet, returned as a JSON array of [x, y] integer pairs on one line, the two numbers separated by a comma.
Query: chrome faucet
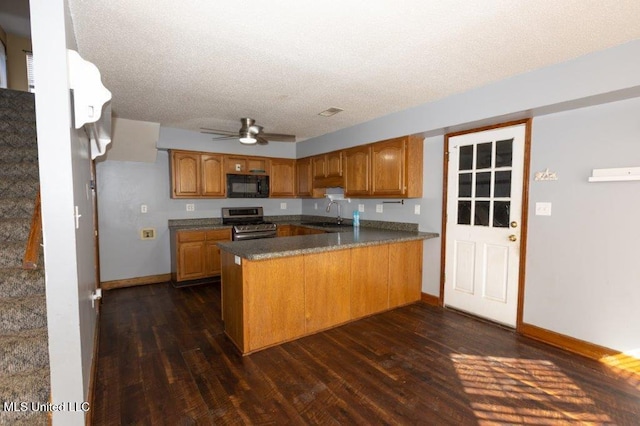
[[339, 219]]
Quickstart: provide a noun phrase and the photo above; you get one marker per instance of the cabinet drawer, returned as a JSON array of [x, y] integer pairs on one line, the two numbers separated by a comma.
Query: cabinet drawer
[[186, 236], [219, 234]]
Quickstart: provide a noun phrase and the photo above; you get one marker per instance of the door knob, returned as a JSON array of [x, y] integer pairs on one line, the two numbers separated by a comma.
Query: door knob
[[514, 224], [512, 237]]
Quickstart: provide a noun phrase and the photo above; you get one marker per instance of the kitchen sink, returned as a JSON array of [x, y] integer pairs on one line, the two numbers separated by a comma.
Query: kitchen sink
[[327, 224]]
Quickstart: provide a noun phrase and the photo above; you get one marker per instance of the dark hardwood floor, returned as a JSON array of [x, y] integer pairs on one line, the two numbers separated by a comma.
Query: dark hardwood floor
[[163, 359]]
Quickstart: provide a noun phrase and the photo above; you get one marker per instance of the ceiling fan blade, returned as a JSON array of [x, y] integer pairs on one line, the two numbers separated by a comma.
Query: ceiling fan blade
[[278, 137], [217, 132], [260, 140], [226, 138]]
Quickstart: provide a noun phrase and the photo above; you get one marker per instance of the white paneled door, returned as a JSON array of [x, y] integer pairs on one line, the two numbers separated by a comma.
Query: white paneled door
[[484, 209]]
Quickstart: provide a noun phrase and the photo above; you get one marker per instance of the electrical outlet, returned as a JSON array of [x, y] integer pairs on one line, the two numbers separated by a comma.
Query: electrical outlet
[[148, 234], [543, 209], [283, 206], [143, 208], [315, 206], [416, 209], [379, 208], [191, 207], [361, 208], [238, 167]]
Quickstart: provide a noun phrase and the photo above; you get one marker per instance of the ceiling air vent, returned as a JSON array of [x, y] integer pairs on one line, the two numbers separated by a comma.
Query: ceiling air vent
[[331, 111]]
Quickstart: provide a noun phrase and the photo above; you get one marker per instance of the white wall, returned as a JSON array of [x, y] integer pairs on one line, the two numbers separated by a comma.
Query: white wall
[[583, 278], [64, 173]]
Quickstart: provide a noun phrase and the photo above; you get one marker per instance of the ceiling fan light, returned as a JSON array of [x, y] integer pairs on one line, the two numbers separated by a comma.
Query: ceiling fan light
[[247, 138]]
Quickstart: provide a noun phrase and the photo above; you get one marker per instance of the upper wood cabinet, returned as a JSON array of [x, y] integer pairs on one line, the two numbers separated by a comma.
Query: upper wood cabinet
[[197, 175], [327, 170], [304, 180], [357, 171], [396, 167], [282, 180], [240, 164]]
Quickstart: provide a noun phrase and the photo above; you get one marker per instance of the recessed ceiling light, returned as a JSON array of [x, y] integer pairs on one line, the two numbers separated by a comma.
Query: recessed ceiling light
[[331, 111]]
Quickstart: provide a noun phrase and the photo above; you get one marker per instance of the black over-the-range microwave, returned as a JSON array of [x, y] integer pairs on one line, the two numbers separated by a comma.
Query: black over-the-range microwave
[[247, 186]]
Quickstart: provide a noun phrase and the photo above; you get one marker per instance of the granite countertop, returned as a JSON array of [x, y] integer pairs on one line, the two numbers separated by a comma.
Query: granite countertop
[[347, 237]]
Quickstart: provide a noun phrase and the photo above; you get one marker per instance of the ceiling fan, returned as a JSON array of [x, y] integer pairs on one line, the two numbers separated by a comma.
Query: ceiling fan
[[249, 134]]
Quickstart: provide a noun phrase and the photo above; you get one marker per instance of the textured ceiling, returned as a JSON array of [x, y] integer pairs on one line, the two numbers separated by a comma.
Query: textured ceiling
[[195, 63]]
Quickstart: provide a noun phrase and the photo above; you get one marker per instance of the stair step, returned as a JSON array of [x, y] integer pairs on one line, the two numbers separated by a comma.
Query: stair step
[[21, 207], [18, 134], [18, 282], [22, 313], [18, 155], [14, 187], [23, 351], [14, 229], [26, 171], [29, 386], [11, 254]]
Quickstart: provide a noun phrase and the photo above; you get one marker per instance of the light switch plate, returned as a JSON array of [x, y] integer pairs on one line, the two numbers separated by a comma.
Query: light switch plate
[[379, 208], [283, 206], [543, 209], [315, 206]]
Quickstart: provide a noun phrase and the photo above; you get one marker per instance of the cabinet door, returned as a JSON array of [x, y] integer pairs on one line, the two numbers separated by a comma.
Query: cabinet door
[[213, 177], [282, 178], [318, 166], [284, 231], [327, 290], [333, 164], [304, 178], [405, 273], [191, 260], [185, 169], [369, 280], [388, 167], [357, 171], [233, 164], [213, 267], [274, 297]]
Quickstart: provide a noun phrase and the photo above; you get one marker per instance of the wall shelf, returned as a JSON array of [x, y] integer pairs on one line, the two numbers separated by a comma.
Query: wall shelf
[[619, 174]]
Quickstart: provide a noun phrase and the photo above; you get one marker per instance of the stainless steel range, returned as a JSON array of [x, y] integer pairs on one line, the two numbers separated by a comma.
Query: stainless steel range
[[248, 223]]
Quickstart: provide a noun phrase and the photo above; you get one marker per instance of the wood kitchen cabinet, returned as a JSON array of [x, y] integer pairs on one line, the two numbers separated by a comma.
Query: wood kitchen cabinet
[[327, 170], [405, 273], [195, 254], [304, 179], [327, 289], [369, 280], [357, 171], [197, 175], [270, 301], [282, 180], [396, 167], [271, 297], [237, 164]]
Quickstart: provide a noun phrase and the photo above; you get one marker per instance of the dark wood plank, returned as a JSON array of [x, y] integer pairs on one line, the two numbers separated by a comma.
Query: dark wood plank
[[165, 360]]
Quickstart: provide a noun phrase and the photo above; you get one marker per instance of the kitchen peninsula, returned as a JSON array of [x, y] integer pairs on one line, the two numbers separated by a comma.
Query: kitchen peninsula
[[279, 289]]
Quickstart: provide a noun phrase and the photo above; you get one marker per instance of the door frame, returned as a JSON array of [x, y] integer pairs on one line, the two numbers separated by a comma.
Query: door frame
[[524, 213]]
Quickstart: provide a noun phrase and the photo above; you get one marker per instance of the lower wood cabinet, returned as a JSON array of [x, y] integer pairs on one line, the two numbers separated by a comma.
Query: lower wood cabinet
[[327, 289], [267, 302], [405, 273], [369, 280], [195, 255]]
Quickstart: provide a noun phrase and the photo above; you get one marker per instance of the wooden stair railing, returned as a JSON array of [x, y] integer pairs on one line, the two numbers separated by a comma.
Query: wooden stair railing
[[32, 251]]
